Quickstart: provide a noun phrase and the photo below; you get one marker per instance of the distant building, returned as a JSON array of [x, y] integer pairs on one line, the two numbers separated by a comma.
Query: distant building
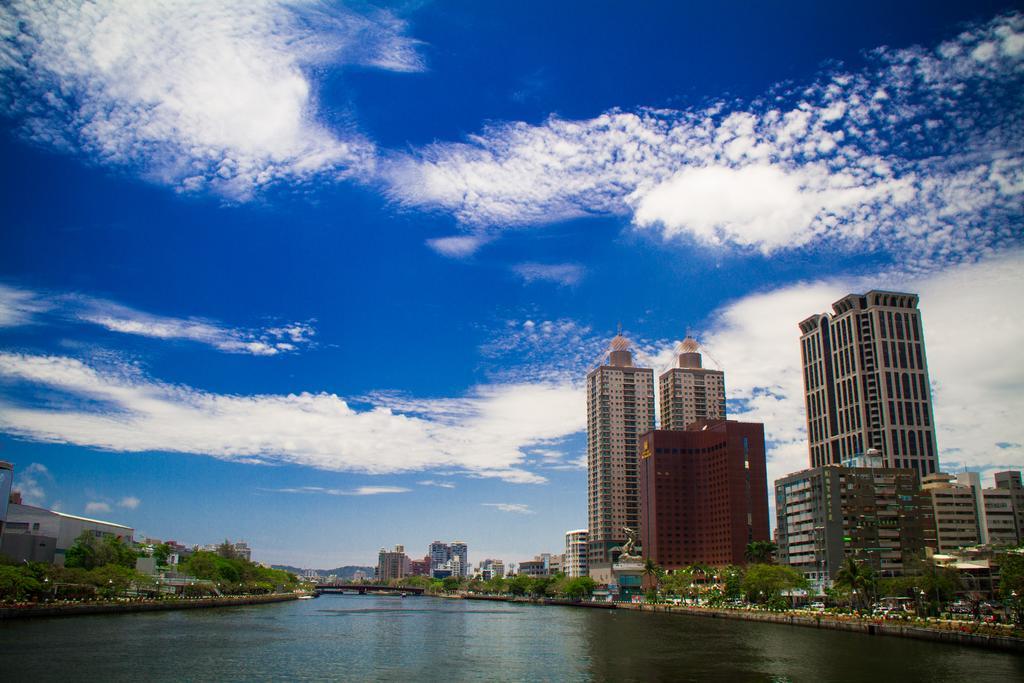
[[1011, 481], [862, 510], [534, 568], [491, 569], [955, 506], [866, 382], [420, 567], [703, 493], [689, 392], [392, 564], [576, 553], [39, 535], [442, 556], [1000, 517], [620, 407]]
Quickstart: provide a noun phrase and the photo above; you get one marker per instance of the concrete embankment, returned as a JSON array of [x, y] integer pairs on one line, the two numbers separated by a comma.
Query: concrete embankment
[[541, 601], [68, 610], [882, 628]]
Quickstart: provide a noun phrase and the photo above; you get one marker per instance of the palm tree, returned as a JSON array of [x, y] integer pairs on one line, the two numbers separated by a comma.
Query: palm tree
[[761, 552], [858, 577], [652, 573]]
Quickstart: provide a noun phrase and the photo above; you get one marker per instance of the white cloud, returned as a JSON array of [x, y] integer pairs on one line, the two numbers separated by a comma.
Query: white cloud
[[458, 246], [29, 482], [215, 94], [561, 273], [19, 306], [118, 318], [95, 506], [439, 484], [129, 502], [518, 508], [22, 306], [483, 434], [359, 491], [919, 155], [972, 338]]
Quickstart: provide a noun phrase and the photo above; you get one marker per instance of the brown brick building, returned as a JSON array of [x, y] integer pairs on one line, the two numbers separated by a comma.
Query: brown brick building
[[703, 493]]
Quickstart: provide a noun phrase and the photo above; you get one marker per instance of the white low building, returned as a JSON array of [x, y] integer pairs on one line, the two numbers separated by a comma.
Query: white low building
[[40, 535]]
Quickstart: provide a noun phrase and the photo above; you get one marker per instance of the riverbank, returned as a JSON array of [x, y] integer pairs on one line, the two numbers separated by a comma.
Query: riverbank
[[958, 633], [36, 610], [953, 633]]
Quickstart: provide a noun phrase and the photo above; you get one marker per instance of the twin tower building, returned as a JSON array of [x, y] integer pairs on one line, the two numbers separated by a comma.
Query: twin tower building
[[696, 489]]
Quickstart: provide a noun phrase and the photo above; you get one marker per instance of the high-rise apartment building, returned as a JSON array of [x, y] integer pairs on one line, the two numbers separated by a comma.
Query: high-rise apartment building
[[866, 382], [690, 392], [955, 505], [703, 493], [392, 564], [451, 558], [576, 553], [861, 509], [1011, 481], [620, 407]]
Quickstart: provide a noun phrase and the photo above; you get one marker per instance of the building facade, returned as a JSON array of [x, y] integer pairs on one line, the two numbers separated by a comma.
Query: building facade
[[703, 493], [1011, 481], [576, 553], [620, 407], [864, 511], [955, 506], [689, 392], [1000, 517], [866, 383], [36, 534], [392, 564]]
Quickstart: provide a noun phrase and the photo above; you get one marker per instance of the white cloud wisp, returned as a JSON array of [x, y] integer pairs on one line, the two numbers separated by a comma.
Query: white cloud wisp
[[484, 434], [923, 153], [193, 95]]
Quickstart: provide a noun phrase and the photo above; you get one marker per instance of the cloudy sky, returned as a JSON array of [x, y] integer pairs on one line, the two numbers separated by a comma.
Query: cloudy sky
[[328, 277]]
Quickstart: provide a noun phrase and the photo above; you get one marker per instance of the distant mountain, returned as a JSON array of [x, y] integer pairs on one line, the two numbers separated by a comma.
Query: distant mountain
[[346, 572]]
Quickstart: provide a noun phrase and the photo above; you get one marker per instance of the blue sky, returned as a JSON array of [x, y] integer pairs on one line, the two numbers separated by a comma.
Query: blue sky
[[328, 277]]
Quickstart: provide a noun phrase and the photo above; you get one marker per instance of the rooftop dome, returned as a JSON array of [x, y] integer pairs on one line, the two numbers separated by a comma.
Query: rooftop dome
[[688, 345], [619, 343]]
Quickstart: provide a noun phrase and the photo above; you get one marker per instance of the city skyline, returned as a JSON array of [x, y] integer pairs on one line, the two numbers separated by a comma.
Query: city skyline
[[365, 317]]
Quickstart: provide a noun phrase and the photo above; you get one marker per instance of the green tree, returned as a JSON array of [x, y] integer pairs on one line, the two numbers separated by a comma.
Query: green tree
[[580, 587], [1011, 583], [17, 583], [450, 584], [89, 552], [520, 584], [761, 552], [161, 553], [652, 574], [764, 583], [859, 578]]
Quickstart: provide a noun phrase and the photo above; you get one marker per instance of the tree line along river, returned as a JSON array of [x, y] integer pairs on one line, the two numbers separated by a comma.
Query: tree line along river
[[350, 637]]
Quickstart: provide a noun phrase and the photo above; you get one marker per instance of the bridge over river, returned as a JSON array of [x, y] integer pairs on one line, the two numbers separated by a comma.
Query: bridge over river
[[364, 588]]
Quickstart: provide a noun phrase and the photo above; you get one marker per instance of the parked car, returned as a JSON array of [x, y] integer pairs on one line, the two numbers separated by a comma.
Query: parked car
[[820, 606]]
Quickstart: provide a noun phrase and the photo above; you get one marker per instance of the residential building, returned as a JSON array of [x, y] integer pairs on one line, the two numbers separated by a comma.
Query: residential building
[[1011, 481], [392, 564], [620, 407], [690, 392], [420, 567], [703, 493], [534, 568], [861, 509], [39, 535], [556, 564], [576, 553], [1000, 517], [955, 507], [490, 569], [442, 555], [866, 384], [460, 551]]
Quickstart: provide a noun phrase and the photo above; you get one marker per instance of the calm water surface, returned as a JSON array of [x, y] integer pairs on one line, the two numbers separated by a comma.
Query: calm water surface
[[342, 637]]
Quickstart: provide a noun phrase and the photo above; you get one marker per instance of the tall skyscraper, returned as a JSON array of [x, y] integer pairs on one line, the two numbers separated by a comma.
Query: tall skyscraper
[[866, 382], [620, 407], [703, 493], [689, 392]]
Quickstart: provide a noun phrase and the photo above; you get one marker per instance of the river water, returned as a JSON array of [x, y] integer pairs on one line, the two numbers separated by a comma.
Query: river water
[[350, 637]]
